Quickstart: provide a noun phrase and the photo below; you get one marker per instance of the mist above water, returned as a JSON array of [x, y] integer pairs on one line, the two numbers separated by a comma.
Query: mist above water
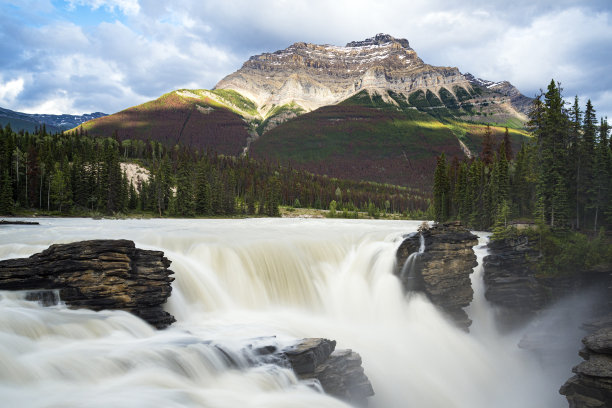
[[271, 280]]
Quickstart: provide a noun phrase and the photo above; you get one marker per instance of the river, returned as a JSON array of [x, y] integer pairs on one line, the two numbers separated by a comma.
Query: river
[[242, 280]]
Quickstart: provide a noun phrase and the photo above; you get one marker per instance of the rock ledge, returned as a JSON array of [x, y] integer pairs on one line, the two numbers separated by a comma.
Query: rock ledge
[[443, 270], [97, 275]]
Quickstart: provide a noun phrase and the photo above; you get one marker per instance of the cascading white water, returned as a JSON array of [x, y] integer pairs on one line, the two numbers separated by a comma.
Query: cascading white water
[[240, 280], [409, 268]]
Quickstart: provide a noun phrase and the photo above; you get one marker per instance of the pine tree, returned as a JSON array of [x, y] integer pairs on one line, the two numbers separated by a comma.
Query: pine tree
[[203, 191], [601, 175], [60, 187], [441, 190], [487, 146], [507, 146], [551, 133], [6, 195], [185, 197], [575, 160], [588, 158]]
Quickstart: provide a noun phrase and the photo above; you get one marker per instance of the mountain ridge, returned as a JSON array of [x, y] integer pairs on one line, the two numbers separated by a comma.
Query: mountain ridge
[[370, 110], [54, 123], [312, 75]]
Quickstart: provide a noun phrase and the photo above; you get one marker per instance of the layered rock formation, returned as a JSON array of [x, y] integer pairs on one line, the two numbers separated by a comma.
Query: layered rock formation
[[313, 75], [591, 387], [513, 282], [338, 371], [520, 102], [97, 275], [442, 271]]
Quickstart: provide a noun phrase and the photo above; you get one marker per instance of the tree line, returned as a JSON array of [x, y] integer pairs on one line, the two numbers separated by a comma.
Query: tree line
[[75, 174], [561, 179]]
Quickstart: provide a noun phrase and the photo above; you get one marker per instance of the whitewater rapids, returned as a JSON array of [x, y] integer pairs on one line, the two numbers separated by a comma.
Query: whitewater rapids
[[240, 280]]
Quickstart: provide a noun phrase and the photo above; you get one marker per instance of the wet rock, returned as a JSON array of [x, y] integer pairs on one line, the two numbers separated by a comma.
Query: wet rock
[[591, 387], [10, 222], [510, 278], [97, 275], [307, 355], [442, 271], [513, 283], [600, 341], [338, 371]]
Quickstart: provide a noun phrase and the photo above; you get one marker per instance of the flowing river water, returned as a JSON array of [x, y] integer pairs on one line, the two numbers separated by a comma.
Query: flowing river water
[[271, 280]]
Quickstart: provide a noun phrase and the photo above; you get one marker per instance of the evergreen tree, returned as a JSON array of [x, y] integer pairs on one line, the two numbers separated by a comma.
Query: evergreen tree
[[6, 195], [185, 197], [441, 190], [551, 188], [487, 146], [575, 160], [601, 176], [203, 191], [507, 145], [588, 159], [60, 188]]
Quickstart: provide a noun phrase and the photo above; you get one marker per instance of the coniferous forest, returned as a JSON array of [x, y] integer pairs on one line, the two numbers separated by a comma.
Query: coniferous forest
[[74, 174], [562, 178], [558, 186]]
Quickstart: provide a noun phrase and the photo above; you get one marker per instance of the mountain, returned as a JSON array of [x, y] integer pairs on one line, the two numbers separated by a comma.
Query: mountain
[[215, 120], [304, 77], [368, 138], [53, 123], [370, 110], [311, 76]]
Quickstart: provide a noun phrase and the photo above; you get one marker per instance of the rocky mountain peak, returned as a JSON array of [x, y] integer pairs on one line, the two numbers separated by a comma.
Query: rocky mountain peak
[[308, 76], [380, 39]]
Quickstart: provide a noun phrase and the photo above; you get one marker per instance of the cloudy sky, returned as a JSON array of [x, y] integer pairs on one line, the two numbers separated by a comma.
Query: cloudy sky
[[77, 56]]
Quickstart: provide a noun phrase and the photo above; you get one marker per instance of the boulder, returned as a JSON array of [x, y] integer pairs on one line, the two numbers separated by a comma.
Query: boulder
[[442, 271], [338, 371], [591, 386], [97, 275]]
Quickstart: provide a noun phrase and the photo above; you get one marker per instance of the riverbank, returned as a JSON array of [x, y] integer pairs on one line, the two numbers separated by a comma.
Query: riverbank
[[284, 212]]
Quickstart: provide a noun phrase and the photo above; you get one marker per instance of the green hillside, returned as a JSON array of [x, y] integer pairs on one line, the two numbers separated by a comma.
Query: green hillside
[[380, 138], [386, 138], [197, 118]]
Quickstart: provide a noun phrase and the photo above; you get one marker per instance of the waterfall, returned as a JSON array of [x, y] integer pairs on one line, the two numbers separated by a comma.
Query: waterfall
[[408, 272], [240, 282]]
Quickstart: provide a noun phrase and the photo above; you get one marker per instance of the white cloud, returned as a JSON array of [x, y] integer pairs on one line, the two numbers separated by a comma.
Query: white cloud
[[10, 90], [161, 46], [128, 7], [53, 106]]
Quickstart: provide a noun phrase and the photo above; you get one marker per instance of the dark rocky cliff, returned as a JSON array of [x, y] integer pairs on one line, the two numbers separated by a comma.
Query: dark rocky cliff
[[97, 275], [591, 387], [514, 283], [442, 271]]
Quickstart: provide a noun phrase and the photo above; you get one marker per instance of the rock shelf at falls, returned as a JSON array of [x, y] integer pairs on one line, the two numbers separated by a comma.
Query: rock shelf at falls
[[115, 275], [245, 301], [98, 275], [443, 270]]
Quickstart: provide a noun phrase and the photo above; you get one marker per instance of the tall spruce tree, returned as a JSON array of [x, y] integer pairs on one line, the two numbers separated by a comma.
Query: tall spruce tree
[[575, 161], [6, 195], [507, 143], [185, 197], [441, 189], [588, 158], [487, 146], [551, 187]]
